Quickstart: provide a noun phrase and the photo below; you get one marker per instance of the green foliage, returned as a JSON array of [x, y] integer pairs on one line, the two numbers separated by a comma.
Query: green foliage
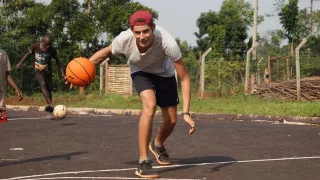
[[113, 15], [226, 30], [224, 77], [218, 33], [205, 21], [316, 20], [191, 61], [313, 44], [77, 30], [238, 104], [276, 37], [289, 20]]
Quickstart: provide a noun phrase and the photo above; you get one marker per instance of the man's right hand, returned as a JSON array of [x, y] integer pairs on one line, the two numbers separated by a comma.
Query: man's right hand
[[18, 66]]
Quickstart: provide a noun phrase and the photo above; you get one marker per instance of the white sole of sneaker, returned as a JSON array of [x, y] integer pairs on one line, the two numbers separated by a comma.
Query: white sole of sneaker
[[146, 176]]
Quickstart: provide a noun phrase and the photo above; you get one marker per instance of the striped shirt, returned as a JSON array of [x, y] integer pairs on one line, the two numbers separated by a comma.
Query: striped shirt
[[158, 59]]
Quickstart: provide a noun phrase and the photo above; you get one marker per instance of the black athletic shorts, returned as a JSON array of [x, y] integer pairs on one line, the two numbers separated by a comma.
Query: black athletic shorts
[[44, 78], [165, 87]]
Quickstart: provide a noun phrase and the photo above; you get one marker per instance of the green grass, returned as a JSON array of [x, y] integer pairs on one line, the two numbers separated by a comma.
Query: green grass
[[244, 104], [239, 104]]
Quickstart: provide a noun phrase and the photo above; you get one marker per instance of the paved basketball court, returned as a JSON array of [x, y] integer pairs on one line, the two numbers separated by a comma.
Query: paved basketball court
[[105, 147]]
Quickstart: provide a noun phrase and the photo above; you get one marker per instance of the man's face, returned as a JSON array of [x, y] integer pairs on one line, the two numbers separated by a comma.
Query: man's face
[[144, 35], [46, 42]]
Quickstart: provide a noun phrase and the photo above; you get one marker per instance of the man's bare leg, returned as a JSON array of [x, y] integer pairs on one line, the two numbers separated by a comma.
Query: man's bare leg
[[145, 123], [169, 115]]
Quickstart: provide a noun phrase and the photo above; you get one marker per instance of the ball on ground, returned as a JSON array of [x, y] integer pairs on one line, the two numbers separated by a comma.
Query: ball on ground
[[60, 111], [80, 72]]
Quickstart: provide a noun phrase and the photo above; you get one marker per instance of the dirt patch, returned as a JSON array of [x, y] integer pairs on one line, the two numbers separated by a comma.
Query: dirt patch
[[28, 101], [40, 101]]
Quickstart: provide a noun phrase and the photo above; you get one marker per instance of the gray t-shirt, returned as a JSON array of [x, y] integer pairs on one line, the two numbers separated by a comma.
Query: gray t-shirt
[[4, 67], [158, 59]]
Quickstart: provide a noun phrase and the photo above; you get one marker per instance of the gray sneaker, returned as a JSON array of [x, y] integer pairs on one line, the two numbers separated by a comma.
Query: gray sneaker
[[50, 116], [160, 153], [145, 170]]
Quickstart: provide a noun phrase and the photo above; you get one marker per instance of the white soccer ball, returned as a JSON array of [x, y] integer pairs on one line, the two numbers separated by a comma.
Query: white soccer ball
[[60, 111]]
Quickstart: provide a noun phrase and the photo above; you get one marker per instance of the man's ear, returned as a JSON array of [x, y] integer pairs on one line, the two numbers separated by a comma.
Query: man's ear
[[153, 27]]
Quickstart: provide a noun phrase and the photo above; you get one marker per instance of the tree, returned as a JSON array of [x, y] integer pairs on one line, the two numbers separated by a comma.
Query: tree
[[76, 33], [226, 30], [189, 55], [313, 44], [316, 20], [113, 15], [204, 22], [289, 20]]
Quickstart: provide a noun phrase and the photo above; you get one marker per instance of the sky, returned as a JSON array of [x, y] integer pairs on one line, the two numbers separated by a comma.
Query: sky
[[179, 16]]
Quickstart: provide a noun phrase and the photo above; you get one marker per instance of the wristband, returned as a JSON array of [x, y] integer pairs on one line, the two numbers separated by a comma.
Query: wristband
[[186, 113]]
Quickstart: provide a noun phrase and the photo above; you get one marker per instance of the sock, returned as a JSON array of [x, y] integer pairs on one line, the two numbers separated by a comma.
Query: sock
[[140, 161], [157, 145]]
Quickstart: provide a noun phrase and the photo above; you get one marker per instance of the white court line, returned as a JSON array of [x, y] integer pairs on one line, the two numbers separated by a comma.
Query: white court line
[[9, 159], [102, 115], [15, 119], [104, 178], [171, 166]]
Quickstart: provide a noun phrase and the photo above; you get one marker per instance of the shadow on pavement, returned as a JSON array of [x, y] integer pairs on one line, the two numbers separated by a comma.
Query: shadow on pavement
[[217, 162], [221, 161], [45, 158]]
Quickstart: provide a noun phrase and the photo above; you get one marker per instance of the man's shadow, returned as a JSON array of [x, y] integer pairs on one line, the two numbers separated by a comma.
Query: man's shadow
[[45, 158], [215, 163]]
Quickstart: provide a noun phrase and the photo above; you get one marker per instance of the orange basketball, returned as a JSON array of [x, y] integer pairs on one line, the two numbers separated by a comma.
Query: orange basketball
[[80, 72]]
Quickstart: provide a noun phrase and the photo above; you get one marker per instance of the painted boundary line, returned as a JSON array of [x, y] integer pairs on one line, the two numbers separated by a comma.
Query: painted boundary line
[[27, 118], [135, 112], [171, 166], [115, 178], [16, 119]]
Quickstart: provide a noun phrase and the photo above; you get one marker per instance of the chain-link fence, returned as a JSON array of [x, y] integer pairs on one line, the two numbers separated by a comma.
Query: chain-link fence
[[223, 78], [277, 76]]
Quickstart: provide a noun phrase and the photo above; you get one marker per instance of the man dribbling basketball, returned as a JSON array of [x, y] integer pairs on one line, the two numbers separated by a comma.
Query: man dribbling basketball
[[153, 55], [43, 53]]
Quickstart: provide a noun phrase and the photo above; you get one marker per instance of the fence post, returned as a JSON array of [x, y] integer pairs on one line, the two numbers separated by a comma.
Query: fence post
[[106, 77], [258, 76], [131, 88], [202, 71], [246, 85], [197, 77], [298, 68], [101, 76], [101, 79], [288, 70], [269, 69]]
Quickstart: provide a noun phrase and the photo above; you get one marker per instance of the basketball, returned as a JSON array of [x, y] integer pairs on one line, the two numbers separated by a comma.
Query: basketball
[[80, 72], [60, 111]]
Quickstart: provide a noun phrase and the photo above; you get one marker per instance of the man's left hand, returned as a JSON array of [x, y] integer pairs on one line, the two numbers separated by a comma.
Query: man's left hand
[[19, 94], [191, 123]]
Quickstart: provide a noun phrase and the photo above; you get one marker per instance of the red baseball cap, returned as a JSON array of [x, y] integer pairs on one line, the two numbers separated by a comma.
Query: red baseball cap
[[141, 17]]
